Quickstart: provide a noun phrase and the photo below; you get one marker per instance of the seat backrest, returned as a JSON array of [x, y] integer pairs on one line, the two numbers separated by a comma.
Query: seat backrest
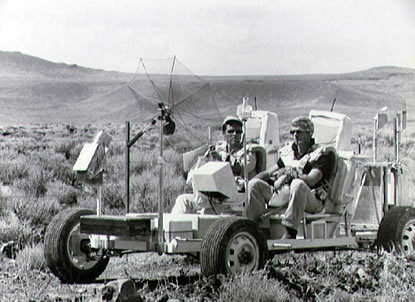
[[332, 129], [341, 185], [261, 157], [262, 128]]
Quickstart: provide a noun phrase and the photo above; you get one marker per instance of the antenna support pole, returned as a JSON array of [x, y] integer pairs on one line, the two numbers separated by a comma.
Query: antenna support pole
[[160, 226], [127, 167]]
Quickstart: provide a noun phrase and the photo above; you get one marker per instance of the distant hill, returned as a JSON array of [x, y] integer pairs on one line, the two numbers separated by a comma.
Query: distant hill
[[34, 90]]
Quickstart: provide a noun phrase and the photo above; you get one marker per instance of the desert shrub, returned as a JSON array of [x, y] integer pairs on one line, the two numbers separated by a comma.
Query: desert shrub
[[253, 287], [180, 142], [113, 197], [38, 212], [57, 167], [68, 149], [185, 140], [141, 160], [62, 192], [116, 149], [35, 184], [144, 191], [3, 202], [12, 171], [88, 199], [71, 129], [69, 198], [115, 168], [12, 229], [174, 161], [145, 188], [31, 258], [397, 277]]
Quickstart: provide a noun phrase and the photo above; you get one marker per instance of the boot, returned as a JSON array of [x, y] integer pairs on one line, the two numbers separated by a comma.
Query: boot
[[289, 233]]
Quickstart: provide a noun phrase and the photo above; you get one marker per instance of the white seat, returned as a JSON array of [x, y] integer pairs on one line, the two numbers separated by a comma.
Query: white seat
[[332, 129], [262, 127]]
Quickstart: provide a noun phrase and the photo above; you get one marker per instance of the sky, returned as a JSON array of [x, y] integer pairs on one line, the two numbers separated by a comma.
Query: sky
[[234, 37]]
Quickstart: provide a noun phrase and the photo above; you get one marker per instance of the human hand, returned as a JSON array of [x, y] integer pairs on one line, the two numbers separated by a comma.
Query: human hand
[[292, 173], [278, 173], [240, 184], [213, 155], [280, 182]]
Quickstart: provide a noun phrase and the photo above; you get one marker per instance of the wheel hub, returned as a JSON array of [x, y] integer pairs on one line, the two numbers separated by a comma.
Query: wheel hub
[[245, 256], [408, 238], [79, 251], [242, 253]]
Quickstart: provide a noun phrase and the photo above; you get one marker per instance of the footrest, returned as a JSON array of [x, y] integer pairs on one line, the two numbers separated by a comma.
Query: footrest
[[326, 217]]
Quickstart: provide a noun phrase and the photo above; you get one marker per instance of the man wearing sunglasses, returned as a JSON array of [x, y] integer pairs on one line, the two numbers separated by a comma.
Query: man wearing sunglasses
[[230, 150], [297, 183]]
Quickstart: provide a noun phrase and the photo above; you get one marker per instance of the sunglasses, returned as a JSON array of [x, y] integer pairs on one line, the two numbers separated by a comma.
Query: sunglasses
[[292, 132], [232, 131]]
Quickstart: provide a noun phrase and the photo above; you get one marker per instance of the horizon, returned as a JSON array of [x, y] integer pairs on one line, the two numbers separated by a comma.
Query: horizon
[[209, 75]]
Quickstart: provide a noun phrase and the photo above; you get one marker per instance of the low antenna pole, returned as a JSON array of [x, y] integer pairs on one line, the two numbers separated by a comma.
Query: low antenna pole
[[161, 199], [332, 105], [397, 134], [127, 167]]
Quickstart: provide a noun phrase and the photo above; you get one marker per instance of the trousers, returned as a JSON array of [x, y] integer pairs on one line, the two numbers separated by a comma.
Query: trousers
[[198, 203], [298, 198]]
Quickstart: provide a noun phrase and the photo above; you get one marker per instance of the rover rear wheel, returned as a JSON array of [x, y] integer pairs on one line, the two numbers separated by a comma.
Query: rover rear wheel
[[233, 245], [67, 252], [397, 231]]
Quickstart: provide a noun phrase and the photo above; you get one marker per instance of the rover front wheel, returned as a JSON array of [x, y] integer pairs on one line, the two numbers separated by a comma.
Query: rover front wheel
[[67, 252], [233, 245]]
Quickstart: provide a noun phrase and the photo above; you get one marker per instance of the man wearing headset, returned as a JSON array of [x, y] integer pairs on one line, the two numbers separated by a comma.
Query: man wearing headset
[[230, 150]]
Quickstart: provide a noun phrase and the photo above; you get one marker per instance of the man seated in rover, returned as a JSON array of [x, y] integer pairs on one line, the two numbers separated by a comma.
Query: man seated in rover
[[230, 150], [297, 183]]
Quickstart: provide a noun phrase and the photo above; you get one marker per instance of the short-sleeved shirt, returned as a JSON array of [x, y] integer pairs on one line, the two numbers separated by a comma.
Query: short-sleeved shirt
[[316, 158], [236, 159]]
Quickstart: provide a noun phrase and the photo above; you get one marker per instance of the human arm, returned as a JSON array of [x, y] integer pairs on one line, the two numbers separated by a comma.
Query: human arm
[[268, 174], [312, 178], [319, 169]]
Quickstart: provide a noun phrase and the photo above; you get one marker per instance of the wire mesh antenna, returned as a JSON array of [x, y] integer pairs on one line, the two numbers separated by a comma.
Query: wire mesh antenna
[[166, 87], [188, 97]]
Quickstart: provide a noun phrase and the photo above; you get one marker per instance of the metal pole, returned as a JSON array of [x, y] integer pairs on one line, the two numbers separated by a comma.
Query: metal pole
[[375, 142], [161, 201], [245, 170], [127, 166], [398, 136], [396, 194], [385, 190], [99, 200]]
